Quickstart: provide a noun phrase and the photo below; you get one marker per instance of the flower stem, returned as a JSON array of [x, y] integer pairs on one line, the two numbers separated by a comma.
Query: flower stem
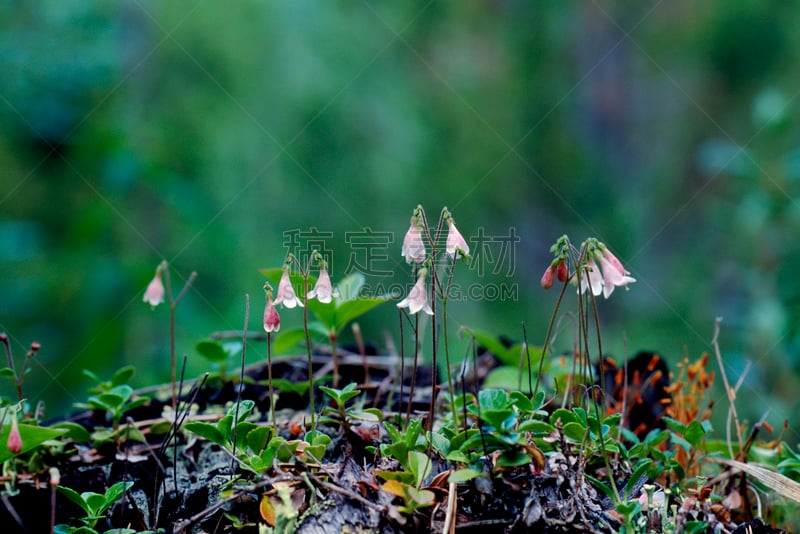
[[445, 298], [173, 306], [269, 379]]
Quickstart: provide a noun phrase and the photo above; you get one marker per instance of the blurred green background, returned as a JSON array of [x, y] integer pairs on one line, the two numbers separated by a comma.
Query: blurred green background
[[200, 132]]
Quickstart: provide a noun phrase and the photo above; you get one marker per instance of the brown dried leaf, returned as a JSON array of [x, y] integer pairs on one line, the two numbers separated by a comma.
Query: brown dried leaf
[[774, 481]]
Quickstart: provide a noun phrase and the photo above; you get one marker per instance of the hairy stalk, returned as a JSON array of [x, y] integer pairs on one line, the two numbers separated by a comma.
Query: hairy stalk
[[445, 298], [269, 379], [241, 375], [173, 307], [597, 400], [402, 361], [414, 372], [308, 351], [334, 358], [728, 391], [528, 356], [362, 349], [535, 389]]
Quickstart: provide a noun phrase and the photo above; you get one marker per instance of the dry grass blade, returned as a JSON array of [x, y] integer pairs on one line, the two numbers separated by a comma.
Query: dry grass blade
[[775, 481]]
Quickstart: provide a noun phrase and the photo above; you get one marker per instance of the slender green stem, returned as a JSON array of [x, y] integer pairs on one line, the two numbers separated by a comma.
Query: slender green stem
[[9, 357], [269, 379], [308, 350], [173, 307], [434, 364], [414, 373], [547, 338], [445, 298], [241, 376], [335, 358], [402, 361]]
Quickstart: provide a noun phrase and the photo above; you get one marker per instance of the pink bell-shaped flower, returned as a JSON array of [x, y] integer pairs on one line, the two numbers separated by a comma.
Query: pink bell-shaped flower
[[614, 274], [272, 320], [413, 247], [154, 294], [417, 298], [323, 290], [592, 277], [286, 294], [456, 244]]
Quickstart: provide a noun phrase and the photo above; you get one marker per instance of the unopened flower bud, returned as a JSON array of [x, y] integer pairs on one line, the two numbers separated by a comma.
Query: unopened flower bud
[[562, 272], [548, 277], [14, 442], [55, 476]]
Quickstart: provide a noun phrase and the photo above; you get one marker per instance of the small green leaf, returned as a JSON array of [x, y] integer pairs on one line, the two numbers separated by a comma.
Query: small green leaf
[[244, 408], [115, 492], [694, 433], [440, 443], [501, 420], [205, 430], [420, 465], [493, 399], [95, 502], [123, 375], [566, 416], [535, 426], [575, 431], [674, 425], [75, 497], [521, 401], [513, 458], [74, 431], [420, 497], [258, 438], [463, 475]]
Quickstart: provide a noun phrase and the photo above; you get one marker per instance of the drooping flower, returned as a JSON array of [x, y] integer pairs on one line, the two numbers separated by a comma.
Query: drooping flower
[[548, 277], [286, 294], [614, 274], [592, 277], [272, 320], [557, 270], [413, 248], [14, 442], [323, 290], [613, 259], [417, 298], [562, 271], [456, 244], [154, 294]]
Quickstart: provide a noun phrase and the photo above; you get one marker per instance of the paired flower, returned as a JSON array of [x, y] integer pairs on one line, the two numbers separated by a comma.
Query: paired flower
[[413, 247], [456, 244], [286, 294], [557, 269], [602, 271], [323, 290], [272, 320], [417, 298], [608, 275], [14, 442], [154, 294]]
